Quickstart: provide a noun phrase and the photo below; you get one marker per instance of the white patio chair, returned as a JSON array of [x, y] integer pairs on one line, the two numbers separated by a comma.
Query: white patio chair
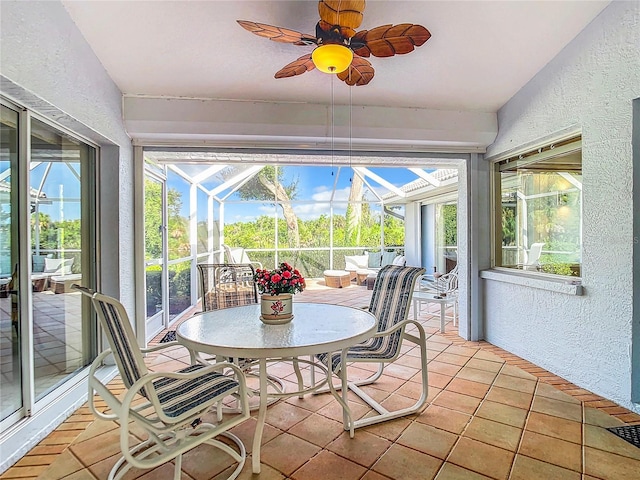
[[532, 257], [165, 407], [445, 286], [238, 255], [434, 282], [390, 303]]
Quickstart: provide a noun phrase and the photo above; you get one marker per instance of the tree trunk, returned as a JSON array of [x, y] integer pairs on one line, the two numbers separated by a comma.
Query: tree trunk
[[354, 212], [293, 235]]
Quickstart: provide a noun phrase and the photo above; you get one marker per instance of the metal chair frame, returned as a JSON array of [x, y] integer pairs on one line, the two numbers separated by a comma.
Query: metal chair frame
[[167, 406], [390, 303]]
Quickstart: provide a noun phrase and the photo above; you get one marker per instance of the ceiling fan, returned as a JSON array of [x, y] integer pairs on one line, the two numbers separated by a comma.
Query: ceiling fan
[[339, 48]]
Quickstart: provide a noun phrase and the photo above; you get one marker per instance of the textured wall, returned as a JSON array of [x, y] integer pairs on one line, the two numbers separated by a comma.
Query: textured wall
[[590, 84], [48, 66]]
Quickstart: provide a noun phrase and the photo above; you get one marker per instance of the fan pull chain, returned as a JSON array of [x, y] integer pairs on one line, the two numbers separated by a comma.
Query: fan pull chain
[[332, 125], [350, 129]]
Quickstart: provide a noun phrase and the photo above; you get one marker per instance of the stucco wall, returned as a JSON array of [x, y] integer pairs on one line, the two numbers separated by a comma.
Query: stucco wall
[[49, 67], [591, 84]]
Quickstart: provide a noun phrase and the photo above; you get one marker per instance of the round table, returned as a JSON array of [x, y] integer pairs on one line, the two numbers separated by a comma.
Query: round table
[[238, 332]]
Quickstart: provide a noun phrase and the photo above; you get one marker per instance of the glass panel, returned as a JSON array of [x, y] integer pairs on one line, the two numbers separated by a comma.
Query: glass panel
[[179, 288], [202, 216], [371, 215], [308, 184], [10, 355], [394, 226], [313, 224], [62, 342], [446, 237], [240, 182], [252, 226], [542, 215], [178, 216], [153, 245]]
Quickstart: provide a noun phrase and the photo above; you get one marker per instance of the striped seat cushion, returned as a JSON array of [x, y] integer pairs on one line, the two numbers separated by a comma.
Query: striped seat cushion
[[178, 396], [378, 348], [390, 304]]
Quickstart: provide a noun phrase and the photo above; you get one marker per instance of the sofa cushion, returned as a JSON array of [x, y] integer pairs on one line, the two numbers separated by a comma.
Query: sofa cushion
[[387, 257], [38, 263], [354, 262], [399, 260], [375, 258], [58, 266]]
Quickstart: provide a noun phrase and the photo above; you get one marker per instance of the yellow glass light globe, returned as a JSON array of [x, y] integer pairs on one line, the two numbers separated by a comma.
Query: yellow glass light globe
[[332, 58]]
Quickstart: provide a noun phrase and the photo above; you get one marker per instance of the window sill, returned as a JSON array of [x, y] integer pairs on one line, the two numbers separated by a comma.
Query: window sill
[[565, 285]]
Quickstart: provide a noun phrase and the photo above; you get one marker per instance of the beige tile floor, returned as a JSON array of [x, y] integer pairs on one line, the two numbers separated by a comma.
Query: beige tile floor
[[490, 415]]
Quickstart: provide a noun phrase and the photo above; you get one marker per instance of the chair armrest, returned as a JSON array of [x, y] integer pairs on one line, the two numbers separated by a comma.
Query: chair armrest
[[160, 346], [132, 394]]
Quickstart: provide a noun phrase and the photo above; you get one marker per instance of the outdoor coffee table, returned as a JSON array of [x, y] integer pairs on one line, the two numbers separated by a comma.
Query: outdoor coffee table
[[238, 332]]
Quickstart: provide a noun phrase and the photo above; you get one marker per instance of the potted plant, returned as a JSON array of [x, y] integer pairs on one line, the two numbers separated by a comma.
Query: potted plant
[[277, 288]]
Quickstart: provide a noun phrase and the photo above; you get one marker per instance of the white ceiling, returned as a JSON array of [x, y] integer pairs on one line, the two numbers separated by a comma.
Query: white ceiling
[[480, 54]]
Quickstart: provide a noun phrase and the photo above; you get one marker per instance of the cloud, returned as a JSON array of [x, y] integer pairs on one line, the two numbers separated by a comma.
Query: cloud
[[323, 194]]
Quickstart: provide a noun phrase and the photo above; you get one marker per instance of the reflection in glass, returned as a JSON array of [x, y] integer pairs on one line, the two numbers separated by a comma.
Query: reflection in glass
[[62, 340], [542, 214], [446, 237], [153, 245], [178, 216], [11, 391]]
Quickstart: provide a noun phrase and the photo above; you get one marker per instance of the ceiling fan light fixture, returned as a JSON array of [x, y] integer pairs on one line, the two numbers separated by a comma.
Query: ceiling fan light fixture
[[332, 58]]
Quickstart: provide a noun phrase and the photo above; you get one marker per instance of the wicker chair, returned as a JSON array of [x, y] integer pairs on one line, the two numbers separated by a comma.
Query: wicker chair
[[224, 285], [165, 407], [390, 303]]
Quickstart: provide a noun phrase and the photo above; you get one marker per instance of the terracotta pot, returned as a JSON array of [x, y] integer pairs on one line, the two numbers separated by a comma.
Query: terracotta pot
[[276, 309]]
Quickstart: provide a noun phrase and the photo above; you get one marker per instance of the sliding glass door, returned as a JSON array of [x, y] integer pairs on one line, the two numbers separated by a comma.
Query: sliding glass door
[[11, 398], [47, 243]]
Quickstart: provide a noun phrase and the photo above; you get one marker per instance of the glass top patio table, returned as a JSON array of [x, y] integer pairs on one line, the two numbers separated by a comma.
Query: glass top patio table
[[238, 332]]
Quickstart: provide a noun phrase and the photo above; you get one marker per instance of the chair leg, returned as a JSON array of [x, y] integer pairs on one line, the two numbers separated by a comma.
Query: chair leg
[[383, 413], [296, 368], [359, 383], [177, 471]]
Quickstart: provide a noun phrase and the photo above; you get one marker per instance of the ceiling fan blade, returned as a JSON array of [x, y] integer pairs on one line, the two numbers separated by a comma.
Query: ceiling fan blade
[[297, 67], [278, 34], [345, 13], [389, 40], [359, 73]]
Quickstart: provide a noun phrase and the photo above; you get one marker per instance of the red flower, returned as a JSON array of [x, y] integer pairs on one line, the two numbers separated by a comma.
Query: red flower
[[283, 279]]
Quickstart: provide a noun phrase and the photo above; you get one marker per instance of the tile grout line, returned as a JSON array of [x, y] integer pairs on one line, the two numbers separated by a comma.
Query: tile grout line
[[524, 427]]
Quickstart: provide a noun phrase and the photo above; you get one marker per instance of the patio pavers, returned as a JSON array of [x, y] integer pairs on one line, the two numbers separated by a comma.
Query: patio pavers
[[491, 415]]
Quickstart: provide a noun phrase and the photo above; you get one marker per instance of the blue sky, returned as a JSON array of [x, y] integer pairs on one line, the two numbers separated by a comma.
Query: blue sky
[[315, 187], [61, 180]]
